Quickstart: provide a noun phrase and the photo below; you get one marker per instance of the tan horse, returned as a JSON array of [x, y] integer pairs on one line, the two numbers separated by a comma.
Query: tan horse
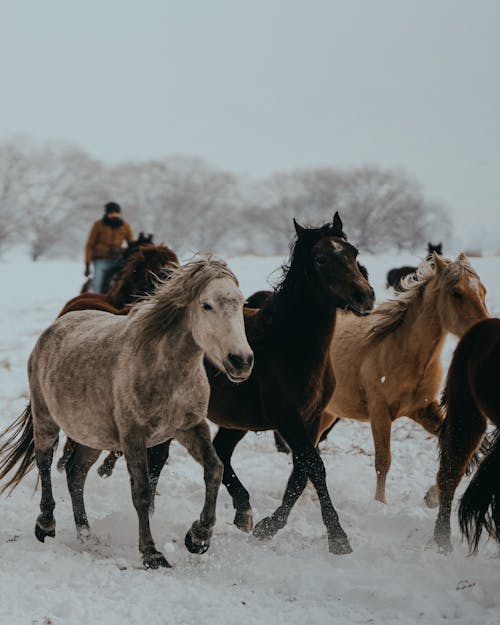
[[388, 365]]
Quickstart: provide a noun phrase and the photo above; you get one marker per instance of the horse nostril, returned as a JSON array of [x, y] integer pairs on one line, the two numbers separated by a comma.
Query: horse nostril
[[236, 361], [240, 362]]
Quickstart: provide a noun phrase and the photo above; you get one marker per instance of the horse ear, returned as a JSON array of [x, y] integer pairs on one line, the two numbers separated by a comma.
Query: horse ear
[[462, 258], [438, 261], [337, 222], [298, 228]]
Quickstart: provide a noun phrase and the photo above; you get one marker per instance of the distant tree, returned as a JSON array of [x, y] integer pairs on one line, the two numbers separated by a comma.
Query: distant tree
[[58, 188], [14, 168], [381, 209]]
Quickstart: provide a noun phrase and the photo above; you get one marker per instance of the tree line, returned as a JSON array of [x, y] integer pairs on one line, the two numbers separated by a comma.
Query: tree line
[[51, 194]]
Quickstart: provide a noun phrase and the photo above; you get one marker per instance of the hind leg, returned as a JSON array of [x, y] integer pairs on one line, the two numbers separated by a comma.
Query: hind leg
[[76, 473], [224, 442], [458, 443], [45, 437], [198, 443]]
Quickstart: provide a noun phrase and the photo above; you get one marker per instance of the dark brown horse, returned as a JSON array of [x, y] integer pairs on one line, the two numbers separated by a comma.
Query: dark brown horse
[[137, 278], [471, 398], [292, 379]]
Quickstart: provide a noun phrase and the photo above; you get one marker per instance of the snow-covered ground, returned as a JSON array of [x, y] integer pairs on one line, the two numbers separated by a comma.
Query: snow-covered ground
[[394, 576]]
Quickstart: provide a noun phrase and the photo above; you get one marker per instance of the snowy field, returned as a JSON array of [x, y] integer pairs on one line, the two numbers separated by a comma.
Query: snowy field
[[393, 577]]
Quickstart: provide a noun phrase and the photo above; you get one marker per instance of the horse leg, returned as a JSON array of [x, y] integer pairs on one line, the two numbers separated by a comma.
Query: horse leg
[[106, 468], [69, 448], [457, 448], [77, 467], [267, 527], [224, 442], [157, 456], [135, 453], [198, 443], [280, 444], [431, 419], [307, 465], [381, 423], [45, 438]]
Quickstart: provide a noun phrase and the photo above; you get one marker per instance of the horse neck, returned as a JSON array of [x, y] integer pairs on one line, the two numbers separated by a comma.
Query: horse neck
[[177, 340], [300, 319], [121, 293], [425, 331]]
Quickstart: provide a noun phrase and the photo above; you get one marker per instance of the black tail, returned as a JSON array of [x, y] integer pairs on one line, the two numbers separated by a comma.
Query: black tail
[[480, 504], [19, 446]]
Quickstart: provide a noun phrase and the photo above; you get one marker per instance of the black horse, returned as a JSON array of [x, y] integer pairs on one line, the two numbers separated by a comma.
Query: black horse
[[293, 376], [394, 276]]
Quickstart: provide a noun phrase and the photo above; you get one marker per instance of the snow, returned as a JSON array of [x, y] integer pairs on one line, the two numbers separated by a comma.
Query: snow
[[394, 576]]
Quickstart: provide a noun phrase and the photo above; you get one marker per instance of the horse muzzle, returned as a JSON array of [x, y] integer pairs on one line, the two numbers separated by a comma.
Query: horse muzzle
[[238, 367]]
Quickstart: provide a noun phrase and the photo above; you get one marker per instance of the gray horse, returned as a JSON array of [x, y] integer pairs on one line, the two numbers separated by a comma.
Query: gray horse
[[129, 383]]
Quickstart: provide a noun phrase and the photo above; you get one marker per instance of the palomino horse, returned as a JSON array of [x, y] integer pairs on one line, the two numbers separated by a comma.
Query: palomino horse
[[471, 398], [136, 278], [292, 380], [129, 383], [394, 276], [388, 365]]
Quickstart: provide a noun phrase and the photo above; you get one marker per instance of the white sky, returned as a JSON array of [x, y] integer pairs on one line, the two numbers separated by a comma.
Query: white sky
[[259, 86]]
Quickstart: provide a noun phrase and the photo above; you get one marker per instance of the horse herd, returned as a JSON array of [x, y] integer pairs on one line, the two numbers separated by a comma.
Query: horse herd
[[293, 360]]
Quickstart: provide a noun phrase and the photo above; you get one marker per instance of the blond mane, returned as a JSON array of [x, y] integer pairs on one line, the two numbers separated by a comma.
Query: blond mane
[[389, 315]]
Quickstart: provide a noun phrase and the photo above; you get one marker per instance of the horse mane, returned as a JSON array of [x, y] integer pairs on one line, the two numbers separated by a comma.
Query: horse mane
[[390, 315], [168, 303], [160, 254], [294, 272]]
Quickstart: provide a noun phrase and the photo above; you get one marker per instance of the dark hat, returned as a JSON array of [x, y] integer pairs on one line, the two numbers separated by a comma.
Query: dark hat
[[112, 207]]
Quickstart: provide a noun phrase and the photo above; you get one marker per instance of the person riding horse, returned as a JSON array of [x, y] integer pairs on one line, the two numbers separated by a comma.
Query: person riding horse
[[103, 247]]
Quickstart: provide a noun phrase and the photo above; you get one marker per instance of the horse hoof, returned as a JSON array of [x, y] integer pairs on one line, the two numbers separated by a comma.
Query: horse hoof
[[41, 533], [155, 561], [194, 546], [104, 471], [444, 547], [265, 529], [244, 521], [340, 546], [431, 497]]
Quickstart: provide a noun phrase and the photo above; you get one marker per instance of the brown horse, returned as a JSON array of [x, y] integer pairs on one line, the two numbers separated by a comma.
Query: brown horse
[[471, 398], [388, 365], [137, 278]]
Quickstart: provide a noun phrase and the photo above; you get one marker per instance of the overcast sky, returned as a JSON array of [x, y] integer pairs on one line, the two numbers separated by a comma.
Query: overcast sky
[[258, 86]]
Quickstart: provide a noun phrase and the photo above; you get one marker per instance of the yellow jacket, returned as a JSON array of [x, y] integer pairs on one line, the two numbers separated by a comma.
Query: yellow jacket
[[106, 242]]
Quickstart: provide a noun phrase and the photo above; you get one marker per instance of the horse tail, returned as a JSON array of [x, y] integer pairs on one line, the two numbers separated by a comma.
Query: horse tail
[[18, 446], [480, 504]]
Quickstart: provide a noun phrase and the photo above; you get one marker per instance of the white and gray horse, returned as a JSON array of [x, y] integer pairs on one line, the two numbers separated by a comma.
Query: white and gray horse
[[129, 383]]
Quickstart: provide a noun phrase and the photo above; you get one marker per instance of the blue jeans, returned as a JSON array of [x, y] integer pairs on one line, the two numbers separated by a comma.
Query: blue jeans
[[101, 268]]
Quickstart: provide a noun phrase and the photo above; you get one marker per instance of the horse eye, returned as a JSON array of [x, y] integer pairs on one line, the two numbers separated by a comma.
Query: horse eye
[[320, 259], [456, 294], [206, 306]]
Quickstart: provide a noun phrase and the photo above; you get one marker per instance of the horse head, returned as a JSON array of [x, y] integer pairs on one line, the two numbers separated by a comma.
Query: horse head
[[333, 274]]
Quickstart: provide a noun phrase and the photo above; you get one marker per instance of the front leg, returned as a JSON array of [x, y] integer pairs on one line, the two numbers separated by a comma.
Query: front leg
[[225, 442], [198, 443], [430, 418], [134, 450], [381, 423], [307, 465]]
